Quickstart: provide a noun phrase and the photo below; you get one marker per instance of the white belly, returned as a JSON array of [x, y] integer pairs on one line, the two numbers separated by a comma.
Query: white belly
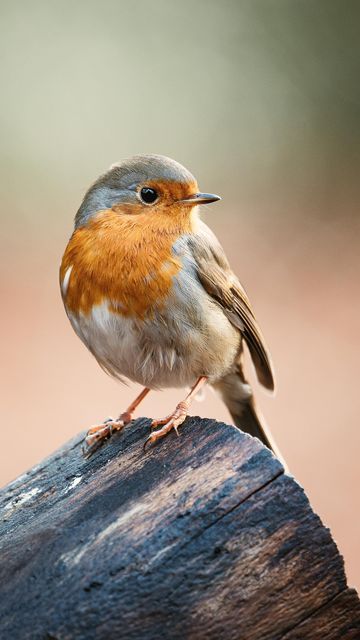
[[172, 349]]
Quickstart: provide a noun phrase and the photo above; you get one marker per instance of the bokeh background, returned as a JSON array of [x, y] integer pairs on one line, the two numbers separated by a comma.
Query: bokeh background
[[260, 99]]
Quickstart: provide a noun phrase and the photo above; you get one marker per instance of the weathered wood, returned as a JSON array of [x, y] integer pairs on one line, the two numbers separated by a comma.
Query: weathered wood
[[339, 618], [202, 536]]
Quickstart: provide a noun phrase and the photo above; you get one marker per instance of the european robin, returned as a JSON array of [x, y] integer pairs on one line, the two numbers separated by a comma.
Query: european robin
[[148, 289]]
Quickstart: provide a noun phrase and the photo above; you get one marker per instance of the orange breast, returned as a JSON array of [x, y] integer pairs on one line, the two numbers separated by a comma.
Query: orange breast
[[123, 258]]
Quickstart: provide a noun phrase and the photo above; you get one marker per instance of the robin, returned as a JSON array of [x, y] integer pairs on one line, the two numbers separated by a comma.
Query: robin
[[148, 289]]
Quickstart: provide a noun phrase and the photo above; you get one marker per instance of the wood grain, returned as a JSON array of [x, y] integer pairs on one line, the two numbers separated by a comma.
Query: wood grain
[[339, 618], [202, 536]]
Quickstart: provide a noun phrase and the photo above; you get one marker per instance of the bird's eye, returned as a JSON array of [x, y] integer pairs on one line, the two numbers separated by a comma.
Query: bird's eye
[[148, 195]]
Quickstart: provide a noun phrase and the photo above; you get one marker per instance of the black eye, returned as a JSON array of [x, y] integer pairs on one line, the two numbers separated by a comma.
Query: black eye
[[148, 195]]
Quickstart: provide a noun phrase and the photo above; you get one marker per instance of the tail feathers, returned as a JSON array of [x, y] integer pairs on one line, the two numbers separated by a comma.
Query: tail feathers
[[237, 395], [247, 419]]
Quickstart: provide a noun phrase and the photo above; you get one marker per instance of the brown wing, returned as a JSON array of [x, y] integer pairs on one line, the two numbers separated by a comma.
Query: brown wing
[[221, 283]]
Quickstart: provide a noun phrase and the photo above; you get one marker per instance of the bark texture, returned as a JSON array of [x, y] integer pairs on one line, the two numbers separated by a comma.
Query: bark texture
[[200, 537]]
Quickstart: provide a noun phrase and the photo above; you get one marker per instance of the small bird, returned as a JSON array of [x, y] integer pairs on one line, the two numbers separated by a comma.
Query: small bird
[[148, 289]]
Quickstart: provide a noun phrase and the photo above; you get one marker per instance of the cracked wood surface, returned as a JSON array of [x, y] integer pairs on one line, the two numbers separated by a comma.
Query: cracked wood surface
[[202, 537]]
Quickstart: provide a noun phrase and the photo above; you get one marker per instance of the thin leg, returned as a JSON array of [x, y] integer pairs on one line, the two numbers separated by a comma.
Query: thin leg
[[97, 434], [175, 419], [128, 414]]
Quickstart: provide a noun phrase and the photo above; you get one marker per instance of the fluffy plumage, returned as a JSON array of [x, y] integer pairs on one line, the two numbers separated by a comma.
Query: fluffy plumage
[[149, 290]]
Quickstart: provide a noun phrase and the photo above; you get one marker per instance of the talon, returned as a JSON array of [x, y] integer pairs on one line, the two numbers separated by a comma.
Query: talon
[[97, 435], [171, 422], [99, 431], [149, 441], [176, 418]]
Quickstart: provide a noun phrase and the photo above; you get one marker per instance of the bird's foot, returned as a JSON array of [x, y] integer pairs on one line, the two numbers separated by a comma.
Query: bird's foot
[[172, 421], [97, 435]]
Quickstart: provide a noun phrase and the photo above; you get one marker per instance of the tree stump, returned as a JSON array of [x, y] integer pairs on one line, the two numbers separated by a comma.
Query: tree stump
[[201, 537]]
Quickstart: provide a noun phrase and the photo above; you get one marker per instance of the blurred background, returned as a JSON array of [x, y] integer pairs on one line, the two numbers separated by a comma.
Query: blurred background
[[260, 100]]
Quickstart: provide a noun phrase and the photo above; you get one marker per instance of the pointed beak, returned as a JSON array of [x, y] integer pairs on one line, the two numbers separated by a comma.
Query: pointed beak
[[200, 198]]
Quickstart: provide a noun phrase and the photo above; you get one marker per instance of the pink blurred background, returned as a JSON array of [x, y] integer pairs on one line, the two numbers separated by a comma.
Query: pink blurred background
[[261, 101]]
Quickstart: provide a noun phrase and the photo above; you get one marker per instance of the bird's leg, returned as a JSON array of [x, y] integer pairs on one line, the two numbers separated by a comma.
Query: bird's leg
[[97, 434], [175, 419], [127, 415]]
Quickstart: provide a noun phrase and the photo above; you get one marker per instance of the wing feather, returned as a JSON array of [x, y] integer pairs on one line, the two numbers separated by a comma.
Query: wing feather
[[220, 282]]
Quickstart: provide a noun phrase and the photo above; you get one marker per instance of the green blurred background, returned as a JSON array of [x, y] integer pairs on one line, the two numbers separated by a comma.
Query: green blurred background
[[258, 98]]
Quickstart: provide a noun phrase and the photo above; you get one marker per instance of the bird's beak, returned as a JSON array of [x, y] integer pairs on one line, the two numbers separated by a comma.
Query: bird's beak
[[200, 198]]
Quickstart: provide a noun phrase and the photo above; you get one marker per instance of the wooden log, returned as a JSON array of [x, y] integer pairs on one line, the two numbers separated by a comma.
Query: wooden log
[[202, 537]]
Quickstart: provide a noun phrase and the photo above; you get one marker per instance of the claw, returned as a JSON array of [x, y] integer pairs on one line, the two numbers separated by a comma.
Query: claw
[[171, 422], [148, 442], [158, 435], [97, 435]]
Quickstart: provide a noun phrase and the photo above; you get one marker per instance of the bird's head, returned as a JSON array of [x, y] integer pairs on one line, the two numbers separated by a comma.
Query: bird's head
[[147, 184]]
